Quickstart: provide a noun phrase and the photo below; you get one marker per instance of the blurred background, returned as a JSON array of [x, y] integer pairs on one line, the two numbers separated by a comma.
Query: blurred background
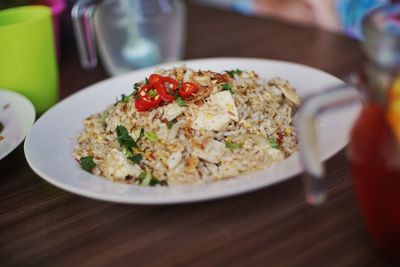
[[94, 39], [124, 35]]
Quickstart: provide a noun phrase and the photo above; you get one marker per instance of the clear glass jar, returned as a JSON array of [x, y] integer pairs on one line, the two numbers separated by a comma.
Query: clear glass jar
[[129, 34], [374, 147]]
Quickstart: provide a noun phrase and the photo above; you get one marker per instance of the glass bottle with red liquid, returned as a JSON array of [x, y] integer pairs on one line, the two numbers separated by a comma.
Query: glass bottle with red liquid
[[374, 147]]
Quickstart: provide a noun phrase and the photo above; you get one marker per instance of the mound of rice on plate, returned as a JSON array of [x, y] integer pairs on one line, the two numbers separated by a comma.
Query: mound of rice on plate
[[224, 125]]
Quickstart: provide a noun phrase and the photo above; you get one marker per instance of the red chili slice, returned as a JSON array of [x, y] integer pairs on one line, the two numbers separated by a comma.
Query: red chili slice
[[164, 86], [155, 78], [166, 81], [162, 92], [187, 89], [146, 101], [142, 105]]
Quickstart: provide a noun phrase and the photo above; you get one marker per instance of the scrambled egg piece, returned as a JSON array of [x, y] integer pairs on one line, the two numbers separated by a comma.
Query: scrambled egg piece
[[174, 159], [173, 110], [212, 152], [217, 113], [225, 101]]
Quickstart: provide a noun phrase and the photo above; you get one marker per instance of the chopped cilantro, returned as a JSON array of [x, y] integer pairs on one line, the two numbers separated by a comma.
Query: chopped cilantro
[[232, 73], [154, 181], [125, 98], [141, 133], [127, 152], [180, 102], [171, 123], [87, 163], [233, 146], [136, 158], [147, 179], [127, 142], [124, 139], [151, 136], [152, 93], [227, 87], [136, 88], [273, 143], [142, 175]]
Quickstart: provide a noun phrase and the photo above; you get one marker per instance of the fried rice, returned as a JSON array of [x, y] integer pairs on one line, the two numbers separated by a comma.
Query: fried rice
[[223, 131]]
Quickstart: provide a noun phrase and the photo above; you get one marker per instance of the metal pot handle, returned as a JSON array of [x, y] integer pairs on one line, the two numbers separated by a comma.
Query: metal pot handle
[[82, 19], [312, 106]]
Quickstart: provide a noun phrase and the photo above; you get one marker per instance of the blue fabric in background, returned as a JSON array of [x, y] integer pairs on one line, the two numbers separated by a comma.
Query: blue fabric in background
[[352, 12], [246, 7]]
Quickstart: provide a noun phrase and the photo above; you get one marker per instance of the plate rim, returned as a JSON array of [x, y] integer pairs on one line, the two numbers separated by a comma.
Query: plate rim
[[179, 199], [32, 114]]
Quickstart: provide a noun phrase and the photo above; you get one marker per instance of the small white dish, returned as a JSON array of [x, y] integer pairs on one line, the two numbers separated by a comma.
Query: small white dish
[[17, 115], [49, 144]]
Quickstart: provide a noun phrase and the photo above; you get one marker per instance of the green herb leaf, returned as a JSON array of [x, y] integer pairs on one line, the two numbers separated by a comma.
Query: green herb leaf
[[227, 87], [180, 102], [124, 138], [171, 123], [127, 152], [142, 175], [87, 163], [272, 141], [146, 80], [154, 181], [124, 98], [152, 93], [136, 158], [147, 179], [151, 136], [232, 73], [136, 88], [233, 146]]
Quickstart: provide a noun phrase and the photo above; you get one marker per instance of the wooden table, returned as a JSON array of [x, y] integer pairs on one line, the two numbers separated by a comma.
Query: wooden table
[[41, 225]]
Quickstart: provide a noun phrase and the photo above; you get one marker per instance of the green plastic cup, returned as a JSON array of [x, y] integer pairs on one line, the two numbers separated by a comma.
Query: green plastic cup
[[27, 55]]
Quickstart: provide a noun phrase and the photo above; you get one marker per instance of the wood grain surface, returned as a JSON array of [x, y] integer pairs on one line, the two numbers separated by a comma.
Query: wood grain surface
[[41, 225]]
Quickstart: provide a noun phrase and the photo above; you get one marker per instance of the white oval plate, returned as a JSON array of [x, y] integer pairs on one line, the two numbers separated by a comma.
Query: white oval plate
[[48, 146], [17, 115]]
